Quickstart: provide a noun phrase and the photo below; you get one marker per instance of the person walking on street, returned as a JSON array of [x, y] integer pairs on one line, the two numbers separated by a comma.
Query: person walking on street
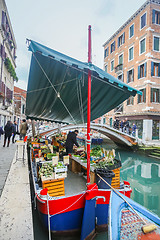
[[8, 133], [1, 132], [71, 140], [23, 129], [14, 131]]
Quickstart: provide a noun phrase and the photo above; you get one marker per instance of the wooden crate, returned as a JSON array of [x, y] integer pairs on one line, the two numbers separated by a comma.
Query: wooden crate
[[55, 187], [76, 167], [116, 180]]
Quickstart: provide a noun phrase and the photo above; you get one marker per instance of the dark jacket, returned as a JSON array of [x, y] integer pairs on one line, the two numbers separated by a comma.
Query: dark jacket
[[1, 131], [8, 130], [71, 140], [14, 128]]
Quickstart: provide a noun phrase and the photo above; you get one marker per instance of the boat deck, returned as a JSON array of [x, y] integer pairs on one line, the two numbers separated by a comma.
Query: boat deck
[[74, 183]]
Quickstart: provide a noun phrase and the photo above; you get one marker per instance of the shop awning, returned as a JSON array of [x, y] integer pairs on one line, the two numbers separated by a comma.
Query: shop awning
[[57, 88]]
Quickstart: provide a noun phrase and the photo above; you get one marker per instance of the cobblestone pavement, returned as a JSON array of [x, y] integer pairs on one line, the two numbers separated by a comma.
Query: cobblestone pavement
[[6, 158]]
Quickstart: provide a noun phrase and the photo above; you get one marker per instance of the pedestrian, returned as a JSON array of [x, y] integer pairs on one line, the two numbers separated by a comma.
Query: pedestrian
[[23, 129], [126, 124], [71, 140], [7, 133], [134, 127], [14, 131], [122, 125], [1, 132]]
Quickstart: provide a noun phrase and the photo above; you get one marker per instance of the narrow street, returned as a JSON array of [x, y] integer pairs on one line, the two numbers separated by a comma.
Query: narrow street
[[6, 158]]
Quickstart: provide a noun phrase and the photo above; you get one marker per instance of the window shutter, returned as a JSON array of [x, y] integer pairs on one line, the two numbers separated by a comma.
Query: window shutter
[[153, 16], [127, 76], [124, 37], [159, 95], [145, 69], [159, 70], [133, 75], [118, 43], [132, 100], [138, 72], [114, 45], [144, 95], [152, 68], [151, 94]]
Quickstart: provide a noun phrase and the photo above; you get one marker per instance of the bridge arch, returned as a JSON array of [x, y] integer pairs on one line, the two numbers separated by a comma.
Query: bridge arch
[[116, 136]]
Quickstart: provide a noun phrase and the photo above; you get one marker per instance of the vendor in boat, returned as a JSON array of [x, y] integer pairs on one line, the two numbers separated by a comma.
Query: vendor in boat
[[71, 140]]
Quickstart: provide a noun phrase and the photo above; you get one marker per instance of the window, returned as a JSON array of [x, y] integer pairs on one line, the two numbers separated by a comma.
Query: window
[[155, 95], [142, 69], [120, 77], [130, 76], [106, 52], [23, 109], [142, 98], [112, 65], [155, 69], [131, 54], [143, 20], [104, 120], [131, 31], [113, 47], [142, 46], [156, 17], [106, 68], [130, 100], [120, 59], [156, 43], [121, 40]]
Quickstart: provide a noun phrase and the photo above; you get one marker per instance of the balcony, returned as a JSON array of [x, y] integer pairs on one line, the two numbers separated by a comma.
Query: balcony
[[6, 96], [2, 89], [119, 68]]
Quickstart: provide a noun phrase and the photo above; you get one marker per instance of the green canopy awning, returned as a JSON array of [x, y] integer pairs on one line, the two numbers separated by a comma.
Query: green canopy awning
[[57, 88]]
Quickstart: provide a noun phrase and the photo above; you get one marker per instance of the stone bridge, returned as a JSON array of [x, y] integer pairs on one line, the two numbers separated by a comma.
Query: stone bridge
[[118, 137]]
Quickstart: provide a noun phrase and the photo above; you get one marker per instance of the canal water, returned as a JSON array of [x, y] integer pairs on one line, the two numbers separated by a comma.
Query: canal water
[[142, 172]]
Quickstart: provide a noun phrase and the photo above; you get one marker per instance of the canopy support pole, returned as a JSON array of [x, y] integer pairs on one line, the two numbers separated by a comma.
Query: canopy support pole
[[33, 128], [89, 107]]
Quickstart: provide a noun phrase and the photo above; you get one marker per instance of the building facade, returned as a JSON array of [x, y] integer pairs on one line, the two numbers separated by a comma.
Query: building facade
[[132, 54], [19, 104], [7, 65]]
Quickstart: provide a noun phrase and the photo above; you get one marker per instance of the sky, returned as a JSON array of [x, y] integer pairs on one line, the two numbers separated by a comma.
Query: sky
[[63, 26]]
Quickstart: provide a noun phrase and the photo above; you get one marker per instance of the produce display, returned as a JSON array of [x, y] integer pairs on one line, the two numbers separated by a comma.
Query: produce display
[[50, 155], [96, 152], [46, 170], [59, 165]]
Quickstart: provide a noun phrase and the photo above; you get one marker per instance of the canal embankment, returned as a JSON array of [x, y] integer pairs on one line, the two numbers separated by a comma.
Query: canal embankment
[[15, 202]]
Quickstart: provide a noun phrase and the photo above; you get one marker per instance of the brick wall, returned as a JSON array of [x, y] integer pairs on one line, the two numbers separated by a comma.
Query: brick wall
[[149, 55]]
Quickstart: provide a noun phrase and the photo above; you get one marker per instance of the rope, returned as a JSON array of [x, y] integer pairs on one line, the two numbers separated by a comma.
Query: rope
[[54, 89], [40, 89], [72, 203], [81, 102]]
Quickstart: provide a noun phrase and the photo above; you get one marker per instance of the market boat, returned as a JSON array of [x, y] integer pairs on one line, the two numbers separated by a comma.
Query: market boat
[[124, 223], [58, 89]]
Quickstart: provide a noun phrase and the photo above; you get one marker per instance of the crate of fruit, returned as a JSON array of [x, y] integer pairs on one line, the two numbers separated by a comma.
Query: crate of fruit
[[60, 175], [46, 171], [60, 167]]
